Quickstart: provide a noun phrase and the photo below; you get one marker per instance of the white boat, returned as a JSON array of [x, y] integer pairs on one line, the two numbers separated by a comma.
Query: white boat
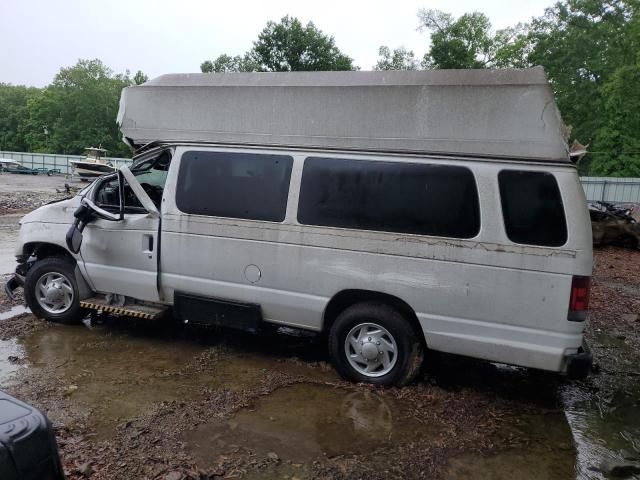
[[94, 165]]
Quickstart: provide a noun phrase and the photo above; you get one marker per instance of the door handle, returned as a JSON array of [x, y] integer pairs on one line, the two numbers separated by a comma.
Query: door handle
[[147, 243]]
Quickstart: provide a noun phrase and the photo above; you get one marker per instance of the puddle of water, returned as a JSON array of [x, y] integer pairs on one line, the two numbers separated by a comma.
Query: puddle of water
[[305, 421], [606, 420], [14, 312], [112, 376], [11, 354]]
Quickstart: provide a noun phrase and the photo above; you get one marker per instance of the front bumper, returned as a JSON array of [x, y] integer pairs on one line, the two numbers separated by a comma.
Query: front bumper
[[17, 281], [579, 364], [12, 284]]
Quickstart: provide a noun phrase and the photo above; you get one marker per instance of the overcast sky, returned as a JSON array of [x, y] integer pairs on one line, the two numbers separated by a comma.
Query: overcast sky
[[37, 37]]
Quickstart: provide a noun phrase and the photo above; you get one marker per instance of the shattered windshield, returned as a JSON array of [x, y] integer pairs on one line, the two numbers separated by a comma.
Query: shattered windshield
[[150, 172]]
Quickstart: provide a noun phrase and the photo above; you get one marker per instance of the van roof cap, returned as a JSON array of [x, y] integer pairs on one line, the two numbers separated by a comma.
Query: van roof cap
[[484, 77], [487, 113]]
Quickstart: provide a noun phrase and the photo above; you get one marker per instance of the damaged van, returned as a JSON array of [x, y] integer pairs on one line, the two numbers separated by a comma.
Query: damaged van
[[395, 211]]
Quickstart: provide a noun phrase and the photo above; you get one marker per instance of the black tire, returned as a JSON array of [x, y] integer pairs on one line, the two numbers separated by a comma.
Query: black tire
[[60, 265], [410, 353]]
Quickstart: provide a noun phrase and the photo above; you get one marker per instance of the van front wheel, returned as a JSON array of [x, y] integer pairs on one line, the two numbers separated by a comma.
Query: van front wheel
[[51, 291], [373, 343]]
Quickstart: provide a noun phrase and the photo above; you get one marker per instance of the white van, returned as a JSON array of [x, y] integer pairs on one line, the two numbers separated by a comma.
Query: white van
[[396, 211]]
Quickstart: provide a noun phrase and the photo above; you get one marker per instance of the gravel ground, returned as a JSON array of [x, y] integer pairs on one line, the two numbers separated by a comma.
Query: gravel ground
[[615, 295], [23, 193]]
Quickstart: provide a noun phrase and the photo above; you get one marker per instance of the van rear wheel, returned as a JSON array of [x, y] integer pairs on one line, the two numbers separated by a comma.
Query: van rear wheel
[[373, 343], [51, 291]]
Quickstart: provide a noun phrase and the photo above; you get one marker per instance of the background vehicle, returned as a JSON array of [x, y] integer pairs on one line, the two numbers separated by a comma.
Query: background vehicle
[[395, 211]]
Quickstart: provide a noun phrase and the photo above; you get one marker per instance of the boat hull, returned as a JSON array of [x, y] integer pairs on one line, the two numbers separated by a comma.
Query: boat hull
[[91, 170]]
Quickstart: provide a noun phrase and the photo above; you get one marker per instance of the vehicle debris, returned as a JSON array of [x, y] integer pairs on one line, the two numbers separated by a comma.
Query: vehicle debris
[[615, 224]]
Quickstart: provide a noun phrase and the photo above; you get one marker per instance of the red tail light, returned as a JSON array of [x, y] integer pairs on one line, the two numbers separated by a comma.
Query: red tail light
[[579, 301]]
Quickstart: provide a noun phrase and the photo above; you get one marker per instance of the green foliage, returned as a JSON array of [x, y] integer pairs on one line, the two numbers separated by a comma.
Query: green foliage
[[283, 47], [290, 46], [617, 146], [583, 44], [140, 78], [468, 42], [399, 59], [77, 110], [13, 111], [227, 63], [590, 50], [511, 47]]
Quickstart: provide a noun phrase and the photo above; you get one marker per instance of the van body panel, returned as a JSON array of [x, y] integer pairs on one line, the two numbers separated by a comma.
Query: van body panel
[[484, 297]]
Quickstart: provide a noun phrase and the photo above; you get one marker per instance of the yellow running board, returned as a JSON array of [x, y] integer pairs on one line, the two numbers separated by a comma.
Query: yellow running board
[[148, 312]]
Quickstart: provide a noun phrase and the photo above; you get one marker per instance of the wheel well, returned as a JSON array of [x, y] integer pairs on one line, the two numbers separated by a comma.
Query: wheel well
[[346, 298], [44, 250]]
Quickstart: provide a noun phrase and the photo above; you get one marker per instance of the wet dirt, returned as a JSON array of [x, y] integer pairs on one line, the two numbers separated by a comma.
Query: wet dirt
[[306, 422], [140, 403]]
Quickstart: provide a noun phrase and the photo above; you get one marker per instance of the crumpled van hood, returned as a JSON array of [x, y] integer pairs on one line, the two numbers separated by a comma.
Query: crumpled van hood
[[56, 212]]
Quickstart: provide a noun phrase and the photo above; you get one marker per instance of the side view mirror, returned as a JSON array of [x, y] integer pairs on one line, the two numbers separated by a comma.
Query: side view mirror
[[74, 237], [82, 216]]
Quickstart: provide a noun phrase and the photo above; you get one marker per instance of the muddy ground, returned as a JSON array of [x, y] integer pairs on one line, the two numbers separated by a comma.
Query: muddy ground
[[131, 400]]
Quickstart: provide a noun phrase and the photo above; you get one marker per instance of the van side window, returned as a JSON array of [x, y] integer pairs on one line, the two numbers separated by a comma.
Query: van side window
[[532, 208], [235, 185], [399, 197]]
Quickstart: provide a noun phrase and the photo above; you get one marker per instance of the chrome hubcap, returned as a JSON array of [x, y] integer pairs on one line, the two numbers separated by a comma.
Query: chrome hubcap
[[371, 349], [54, 292]]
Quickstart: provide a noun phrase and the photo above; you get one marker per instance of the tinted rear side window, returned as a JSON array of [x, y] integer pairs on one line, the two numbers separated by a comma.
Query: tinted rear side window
[[394, 197], [237, 185], [532, 208]]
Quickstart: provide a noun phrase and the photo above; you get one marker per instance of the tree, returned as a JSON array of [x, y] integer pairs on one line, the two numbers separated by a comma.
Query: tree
[[468, 42], [288, 46], [227, 63], [77, 110], [399, 59], [140, 78], [512, 47], [283, 47], [13, 112], [617, 144], [583, 44]]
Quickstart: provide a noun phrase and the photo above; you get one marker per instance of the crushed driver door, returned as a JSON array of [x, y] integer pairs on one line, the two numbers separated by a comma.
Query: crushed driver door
[[122, 256]]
